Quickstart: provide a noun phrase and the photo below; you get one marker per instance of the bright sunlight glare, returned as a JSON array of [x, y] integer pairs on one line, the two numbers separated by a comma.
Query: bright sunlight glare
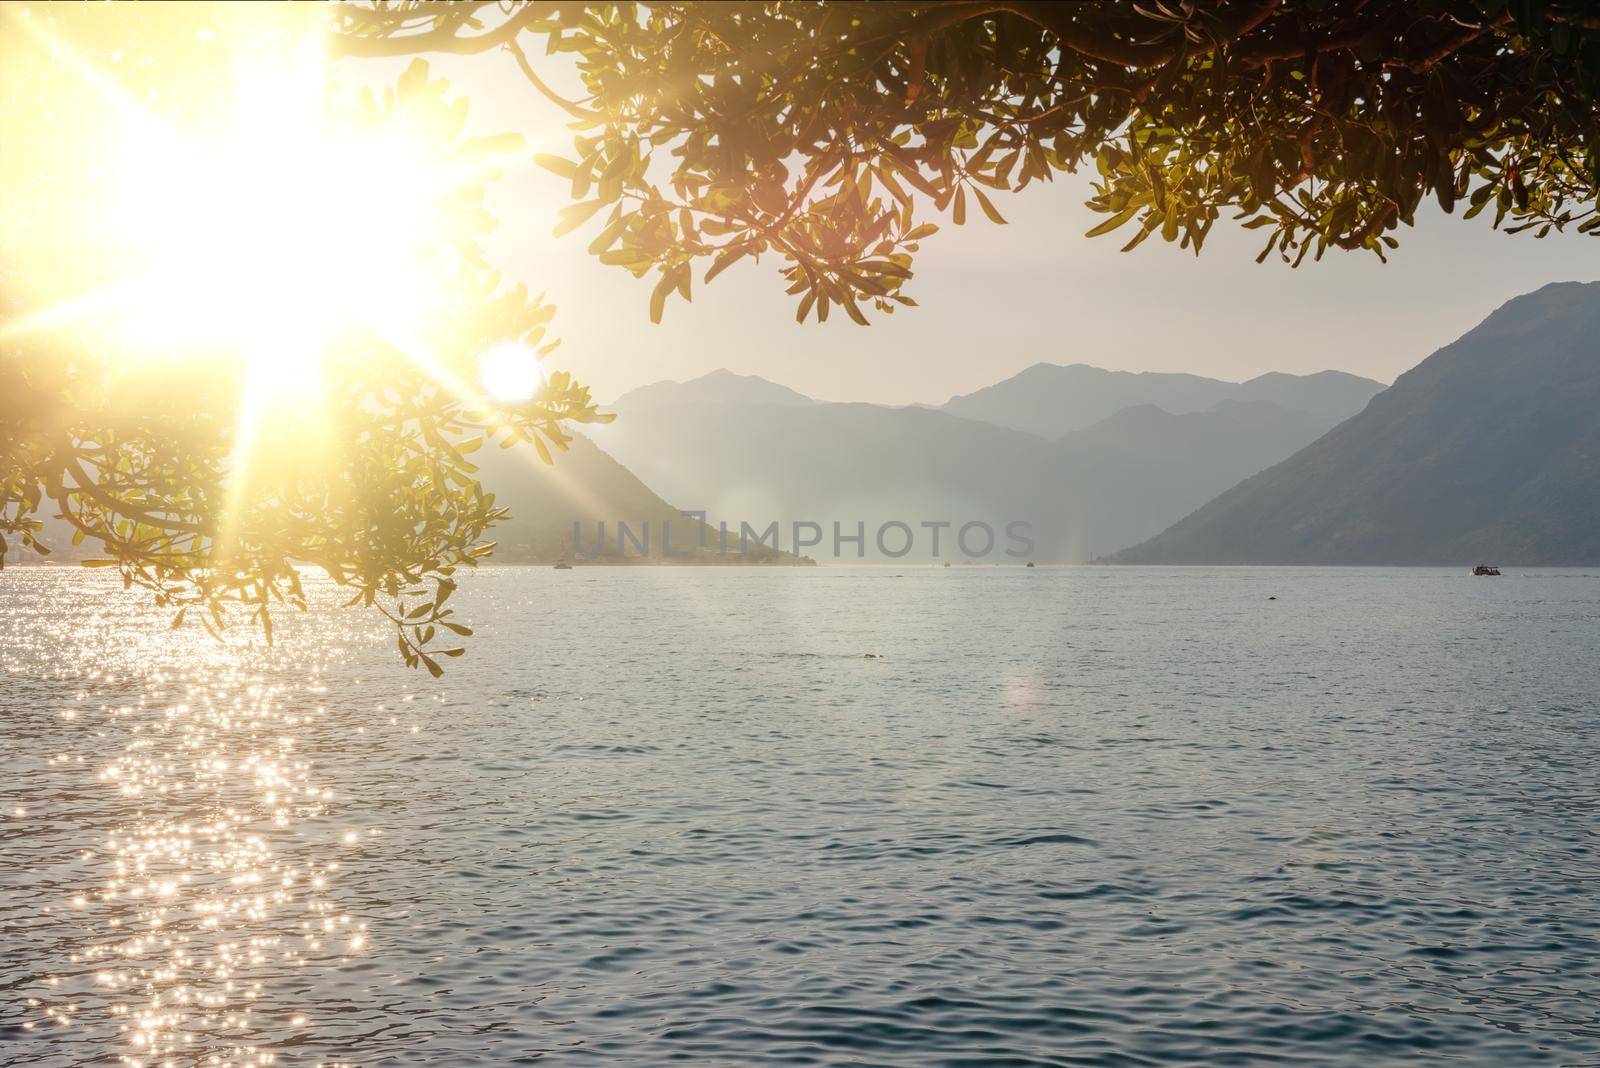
[[230, 205], [511, 372], [209, 215], [277, 235]]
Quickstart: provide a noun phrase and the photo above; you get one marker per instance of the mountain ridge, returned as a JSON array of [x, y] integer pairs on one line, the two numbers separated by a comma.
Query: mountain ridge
[[722, 385], [1090, 490], [1049, 399], [1489, 449]]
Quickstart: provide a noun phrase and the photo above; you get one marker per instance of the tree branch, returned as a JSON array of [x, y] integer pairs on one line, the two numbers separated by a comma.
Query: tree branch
[[1069, 33], [538, 83], [1060, 20], [439, 39], [1452, 44], [91, 489]]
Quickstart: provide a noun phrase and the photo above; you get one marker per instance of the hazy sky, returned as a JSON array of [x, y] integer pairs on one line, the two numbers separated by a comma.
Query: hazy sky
[[995, 299]]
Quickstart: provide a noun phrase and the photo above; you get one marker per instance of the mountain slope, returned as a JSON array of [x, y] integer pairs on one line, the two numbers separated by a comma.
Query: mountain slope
[[1487, 450], [1050, 400], [1138, 470], [587, 487], [819, 463]]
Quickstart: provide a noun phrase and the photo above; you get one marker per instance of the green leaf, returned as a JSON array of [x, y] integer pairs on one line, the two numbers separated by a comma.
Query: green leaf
[[988, 207], [556, 165], [575, 215], [658, 296], [608, 236], [727, 259], [1113, 222], [1144, 232]]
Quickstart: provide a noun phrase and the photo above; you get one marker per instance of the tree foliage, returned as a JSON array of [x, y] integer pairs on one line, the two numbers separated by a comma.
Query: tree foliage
[[160, 460], [385, 500], [822, 133]]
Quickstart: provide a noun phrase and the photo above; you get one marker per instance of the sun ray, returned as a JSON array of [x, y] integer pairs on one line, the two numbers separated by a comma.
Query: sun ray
[[258, 233]]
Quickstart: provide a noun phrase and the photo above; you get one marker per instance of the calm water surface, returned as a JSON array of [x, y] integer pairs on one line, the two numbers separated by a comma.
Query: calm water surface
[[1085, 816]]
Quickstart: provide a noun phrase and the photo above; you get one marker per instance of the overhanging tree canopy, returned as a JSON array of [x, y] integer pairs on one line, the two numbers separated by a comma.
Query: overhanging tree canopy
[[822, 131]]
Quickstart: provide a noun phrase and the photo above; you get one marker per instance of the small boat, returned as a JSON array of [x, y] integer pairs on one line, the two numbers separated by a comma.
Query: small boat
[[1485, 569], [563, 566]]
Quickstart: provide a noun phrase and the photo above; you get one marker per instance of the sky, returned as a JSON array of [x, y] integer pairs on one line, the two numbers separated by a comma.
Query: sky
[[996, 299]]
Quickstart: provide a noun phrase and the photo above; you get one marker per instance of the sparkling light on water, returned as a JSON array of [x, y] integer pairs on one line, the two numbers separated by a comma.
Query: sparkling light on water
[[218, 869], [193, 876]]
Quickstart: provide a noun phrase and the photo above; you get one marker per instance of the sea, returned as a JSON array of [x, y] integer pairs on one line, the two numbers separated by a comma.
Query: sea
[[975, 815]]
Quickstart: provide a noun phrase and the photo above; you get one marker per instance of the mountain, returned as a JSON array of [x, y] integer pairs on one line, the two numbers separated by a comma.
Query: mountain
[[1137, 470], [719, 387], [1122, 478], [588, 487], [820, 462], [1488, 450], [1333, 395], [1050, 400], [740, 448]]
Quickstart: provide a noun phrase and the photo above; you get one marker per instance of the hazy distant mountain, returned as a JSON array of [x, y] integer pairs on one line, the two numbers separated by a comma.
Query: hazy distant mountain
[[819, 462], [719, 387], [1489, 450], [1050, 400], [1334, 395], [588, 487], [1089, 492], [1106, 485]]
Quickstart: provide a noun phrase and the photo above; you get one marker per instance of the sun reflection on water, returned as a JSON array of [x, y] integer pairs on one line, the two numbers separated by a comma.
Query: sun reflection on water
[[216, 874]]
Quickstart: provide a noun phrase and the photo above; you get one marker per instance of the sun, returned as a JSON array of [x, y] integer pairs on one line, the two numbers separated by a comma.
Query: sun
[[251, 212], [292, 225], [209, 226], [510, 372], [223, 219]]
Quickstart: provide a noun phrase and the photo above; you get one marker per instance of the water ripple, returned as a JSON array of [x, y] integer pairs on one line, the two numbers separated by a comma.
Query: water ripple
[[1135, 821]]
